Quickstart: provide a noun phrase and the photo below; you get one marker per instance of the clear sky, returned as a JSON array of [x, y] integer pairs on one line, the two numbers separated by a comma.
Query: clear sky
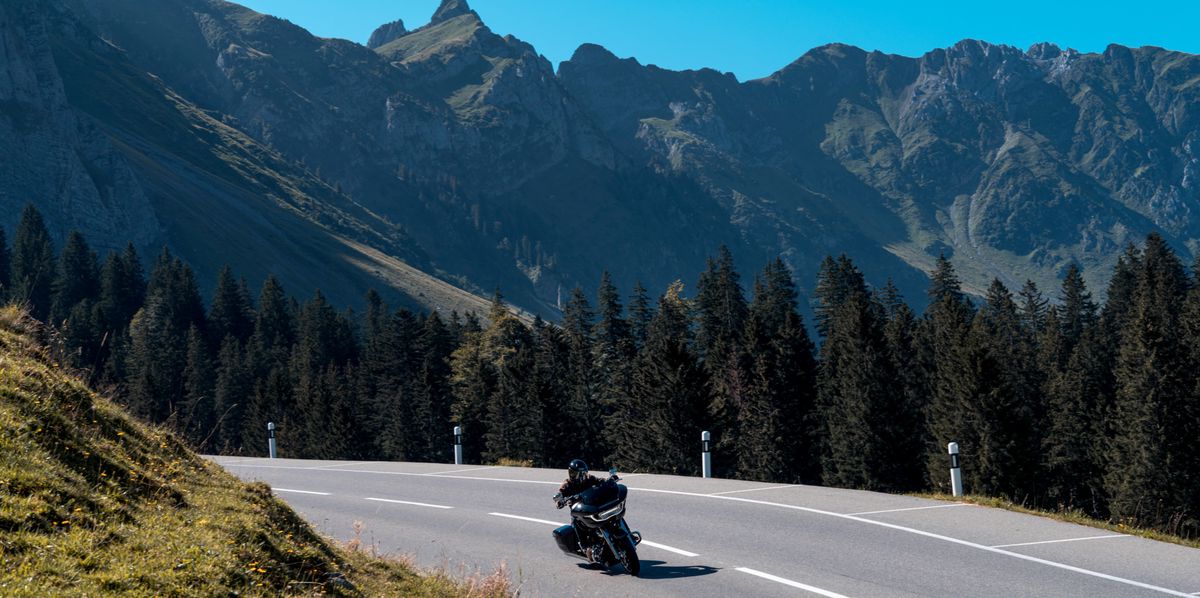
[[753, 38]]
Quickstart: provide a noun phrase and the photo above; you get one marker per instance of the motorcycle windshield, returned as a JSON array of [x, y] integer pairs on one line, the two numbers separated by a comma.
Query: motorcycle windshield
[[601, 495]]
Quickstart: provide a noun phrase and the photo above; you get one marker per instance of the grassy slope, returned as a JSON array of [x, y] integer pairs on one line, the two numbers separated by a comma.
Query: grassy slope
[[93, 502]]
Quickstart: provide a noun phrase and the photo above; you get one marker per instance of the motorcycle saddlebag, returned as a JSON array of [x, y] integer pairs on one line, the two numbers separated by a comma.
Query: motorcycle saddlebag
[[567, 542]]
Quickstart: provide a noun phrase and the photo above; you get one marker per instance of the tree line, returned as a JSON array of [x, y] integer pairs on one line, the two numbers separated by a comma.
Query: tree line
[[1055, 401]]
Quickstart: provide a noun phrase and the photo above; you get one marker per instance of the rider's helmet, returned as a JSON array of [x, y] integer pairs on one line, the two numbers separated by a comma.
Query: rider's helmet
[[577, 470]]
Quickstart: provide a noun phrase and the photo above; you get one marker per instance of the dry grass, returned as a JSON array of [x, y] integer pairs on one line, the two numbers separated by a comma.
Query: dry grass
[[507, 462], [93, 502], [1069, 516]]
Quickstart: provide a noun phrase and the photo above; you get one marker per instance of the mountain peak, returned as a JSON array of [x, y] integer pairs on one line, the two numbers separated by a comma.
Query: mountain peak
[[592, 53], [450, 9], [386, 33]]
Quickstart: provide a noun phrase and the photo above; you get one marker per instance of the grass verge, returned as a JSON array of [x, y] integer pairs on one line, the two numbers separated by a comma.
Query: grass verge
[[93, 502], [1068, 516]]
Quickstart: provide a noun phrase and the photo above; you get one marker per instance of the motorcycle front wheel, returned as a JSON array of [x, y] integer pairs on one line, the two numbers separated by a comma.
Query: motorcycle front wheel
[[629, 556]]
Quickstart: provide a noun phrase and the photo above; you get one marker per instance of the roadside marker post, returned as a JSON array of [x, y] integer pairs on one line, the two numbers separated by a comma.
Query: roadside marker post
[[955, 472], [271, 439], [706, 454], [458, 455]]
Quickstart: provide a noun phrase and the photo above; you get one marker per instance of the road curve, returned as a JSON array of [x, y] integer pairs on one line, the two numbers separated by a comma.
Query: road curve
[[723, 537]]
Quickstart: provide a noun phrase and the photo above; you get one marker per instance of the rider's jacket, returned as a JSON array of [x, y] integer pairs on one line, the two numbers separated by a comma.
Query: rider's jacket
[[570, 488]]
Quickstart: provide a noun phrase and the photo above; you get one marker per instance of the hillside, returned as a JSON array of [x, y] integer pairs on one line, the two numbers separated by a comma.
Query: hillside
[[95, 503]]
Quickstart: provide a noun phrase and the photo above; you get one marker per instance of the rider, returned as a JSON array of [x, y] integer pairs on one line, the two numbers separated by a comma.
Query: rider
[[577, 480]]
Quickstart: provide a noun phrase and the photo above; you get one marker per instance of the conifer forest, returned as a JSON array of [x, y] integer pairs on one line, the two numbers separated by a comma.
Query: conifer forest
[[1056, 399]]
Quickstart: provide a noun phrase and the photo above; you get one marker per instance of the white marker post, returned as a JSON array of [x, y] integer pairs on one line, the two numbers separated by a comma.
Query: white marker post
[[458, 460], [706, 454], [955, 472], [271, 439]]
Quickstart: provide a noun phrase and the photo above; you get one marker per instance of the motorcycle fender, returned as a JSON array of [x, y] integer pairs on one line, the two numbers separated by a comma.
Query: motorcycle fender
[[608, 540]]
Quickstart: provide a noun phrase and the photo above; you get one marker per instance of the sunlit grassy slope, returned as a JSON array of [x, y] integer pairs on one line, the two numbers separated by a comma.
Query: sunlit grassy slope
[[93, 502]]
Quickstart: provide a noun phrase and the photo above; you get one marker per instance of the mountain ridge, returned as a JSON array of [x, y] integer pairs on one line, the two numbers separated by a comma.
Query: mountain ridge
[[503, 171]]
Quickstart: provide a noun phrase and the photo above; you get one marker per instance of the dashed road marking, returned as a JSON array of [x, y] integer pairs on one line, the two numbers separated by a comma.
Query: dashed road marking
[[409, 502], [957, 504], [300, 491], [554, 523], [458, 470], [751, 490], [678, 551], [788, 582], [1065, 540]]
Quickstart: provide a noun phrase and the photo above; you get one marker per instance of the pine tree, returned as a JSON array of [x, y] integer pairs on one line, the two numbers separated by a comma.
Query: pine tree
[[1073, 426], [33, 266], [473, 379], [1187, 417], [231, 313], [1076, 370], [1078, 310], [583, 411], [122, 293], [156, 360], [721, 317], [232, 396], [77, 278], [640, 314], [949, 367], [551, 363], [514, 417], [433, 385], [198, 418], [315, 352], [1004, 409], [612, 354], [1151, 374], [1032, 308], [780, 420], [854, 378], [907, 407], [759, 448], [658, 425], [396, 410]]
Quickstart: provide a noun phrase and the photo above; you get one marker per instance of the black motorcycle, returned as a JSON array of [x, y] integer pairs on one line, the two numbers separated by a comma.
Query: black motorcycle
[[598, 532]]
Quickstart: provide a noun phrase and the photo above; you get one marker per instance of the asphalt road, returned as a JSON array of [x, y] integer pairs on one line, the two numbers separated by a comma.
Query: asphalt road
[[722, 537]]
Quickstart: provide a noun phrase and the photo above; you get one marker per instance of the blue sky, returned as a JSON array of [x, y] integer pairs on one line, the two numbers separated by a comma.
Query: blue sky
[[753, 38]]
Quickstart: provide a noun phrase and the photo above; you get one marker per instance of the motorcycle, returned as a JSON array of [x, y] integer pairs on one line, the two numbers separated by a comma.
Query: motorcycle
[[598, 532]]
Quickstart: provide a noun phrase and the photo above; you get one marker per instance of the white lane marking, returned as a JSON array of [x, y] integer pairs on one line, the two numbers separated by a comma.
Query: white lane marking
[[1056, 541], [554, 523], [666, 548], [788, 582], [910, 530], [957, 504], [918, 532], [458, 470], [300, 491], [409, 502], [751, 490], [341, 465], [679, 551]]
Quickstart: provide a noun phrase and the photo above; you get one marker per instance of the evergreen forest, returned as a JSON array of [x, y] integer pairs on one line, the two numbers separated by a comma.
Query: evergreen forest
[[1057, 401]]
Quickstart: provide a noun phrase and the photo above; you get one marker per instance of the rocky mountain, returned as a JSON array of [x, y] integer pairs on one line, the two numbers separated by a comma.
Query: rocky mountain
[[459, 155]]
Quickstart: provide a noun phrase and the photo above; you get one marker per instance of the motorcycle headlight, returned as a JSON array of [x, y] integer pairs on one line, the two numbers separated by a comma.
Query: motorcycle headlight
[[601, 516]]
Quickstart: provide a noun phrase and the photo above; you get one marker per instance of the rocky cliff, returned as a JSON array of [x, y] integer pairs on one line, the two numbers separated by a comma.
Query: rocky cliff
[[466, 154]]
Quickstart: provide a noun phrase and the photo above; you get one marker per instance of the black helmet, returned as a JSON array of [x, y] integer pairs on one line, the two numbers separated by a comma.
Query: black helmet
[[577, 470]]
